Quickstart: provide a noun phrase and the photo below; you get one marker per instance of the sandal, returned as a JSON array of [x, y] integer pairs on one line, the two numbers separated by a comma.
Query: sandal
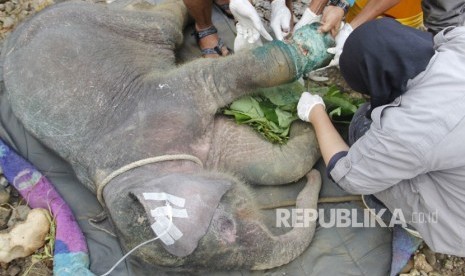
[[217, 50]]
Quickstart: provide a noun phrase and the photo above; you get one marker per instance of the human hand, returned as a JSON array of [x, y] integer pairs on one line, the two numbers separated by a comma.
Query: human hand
[[249, 24], [341, 38], [241, 42], [308, 17], [306, 103], [331, 20], [309, 48], [280, 19]]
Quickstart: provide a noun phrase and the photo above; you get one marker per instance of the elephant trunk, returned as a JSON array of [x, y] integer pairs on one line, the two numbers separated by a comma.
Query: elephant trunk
[[289, 246]]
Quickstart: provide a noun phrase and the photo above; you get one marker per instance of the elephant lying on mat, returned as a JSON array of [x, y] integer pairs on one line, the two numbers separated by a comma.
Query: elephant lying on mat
[[101, 87]]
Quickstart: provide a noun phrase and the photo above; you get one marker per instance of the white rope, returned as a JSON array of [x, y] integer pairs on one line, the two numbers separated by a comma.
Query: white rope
[[136, 164]]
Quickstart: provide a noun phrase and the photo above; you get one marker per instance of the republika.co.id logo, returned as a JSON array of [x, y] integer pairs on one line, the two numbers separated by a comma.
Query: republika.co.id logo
[[349, 218]]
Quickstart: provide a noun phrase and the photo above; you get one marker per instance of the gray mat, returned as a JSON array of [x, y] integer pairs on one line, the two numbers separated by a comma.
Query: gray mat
[[333, 251]]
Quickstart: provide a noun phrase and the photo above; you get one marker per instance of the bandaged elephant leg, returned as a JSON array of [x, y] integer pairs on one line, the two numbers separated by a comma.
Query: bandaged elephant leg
[[202, 221], [242, 150], [276, 63]]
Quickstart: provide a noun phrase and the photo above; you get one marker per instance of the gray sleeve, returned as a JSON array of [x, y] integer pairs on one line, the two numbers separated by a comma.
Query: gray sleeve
[[376, 162], [443, 13]]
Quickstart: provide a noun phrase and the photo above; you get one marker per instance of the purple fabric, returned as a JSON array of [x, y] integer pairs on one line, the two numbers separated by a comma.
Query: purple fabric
[[40, 193], [404, 246]]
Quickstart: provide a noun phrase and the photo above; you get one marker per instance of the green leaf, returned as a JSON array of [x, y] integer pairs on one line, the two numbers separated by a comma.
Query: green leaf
[[271, 111], [336, 112], [286, 94], [268, 109], [347, 108], [247, 105], [285, 118]]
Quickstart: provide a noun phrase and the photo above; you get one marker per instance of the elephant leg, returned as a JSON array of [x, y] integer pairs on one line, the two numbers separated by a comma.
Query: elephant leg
[[176, 13], [240, 149]]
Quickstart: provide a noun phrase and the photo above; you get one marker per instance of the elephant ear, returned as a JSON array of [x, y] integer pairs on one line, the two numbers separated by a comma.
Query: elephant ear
[[189, 201]]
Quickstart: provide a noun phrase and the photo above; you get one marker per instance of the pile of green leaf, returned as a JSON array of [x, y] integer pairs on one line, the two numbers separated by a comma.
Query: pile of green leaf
[[271, 111]]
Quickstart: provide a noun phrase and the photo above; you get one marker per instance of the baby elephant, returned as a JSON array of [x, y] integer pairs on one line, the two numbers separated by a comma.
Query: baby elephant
[[101, 87]]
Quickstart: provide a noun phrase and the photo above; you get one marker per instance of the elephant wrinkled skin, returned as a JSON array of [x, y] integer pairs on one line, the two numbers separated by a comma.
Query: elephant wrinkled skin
[[101, 87]]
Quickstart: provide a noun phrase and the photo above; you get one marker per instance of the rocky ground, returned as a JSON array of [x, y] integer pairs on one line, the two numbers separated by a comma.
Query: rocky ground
[[13, 208]]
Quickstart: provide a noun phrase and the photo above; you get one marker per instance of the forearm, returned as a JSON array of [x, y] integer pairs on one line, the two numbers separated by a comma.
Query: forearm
[[329, 140], [317, 6], [373, 9]]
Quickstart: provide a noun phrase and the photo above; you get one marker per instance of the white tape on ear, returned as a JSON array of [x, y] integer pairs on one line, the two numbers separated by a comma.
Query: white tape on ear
[[161, 226], [165, 211], [178, 201]]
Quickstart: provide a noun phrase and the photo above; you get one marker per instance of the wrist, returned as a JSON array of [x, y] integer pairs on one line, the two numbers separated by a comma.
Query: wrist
[[317, 112], [344, 5]]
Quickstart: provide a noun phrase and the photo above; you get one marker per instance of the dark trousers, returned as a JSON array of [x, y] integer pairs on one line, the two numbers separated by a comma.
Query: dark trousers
[[359, 124]]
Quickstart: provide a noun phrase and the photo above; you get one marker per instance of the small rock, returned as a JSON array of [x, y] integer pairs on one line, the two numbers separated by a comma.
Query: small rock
[[3, 181], [5, 214], [9, 7], [14, 193], [413, 272], [25, 237], [421, 264], [440, 256], [458, 262], [22, 15], [8, 22], [430, 256], [4, 195], [19, 214], [40, 4], [2, 7], [13, 270], [448, 264], [4, 266], [434, 273]]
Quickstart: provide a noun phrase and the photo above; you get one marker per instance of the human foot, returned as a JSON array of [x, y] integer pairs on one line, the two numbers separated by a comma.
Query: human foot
[[209, 42]]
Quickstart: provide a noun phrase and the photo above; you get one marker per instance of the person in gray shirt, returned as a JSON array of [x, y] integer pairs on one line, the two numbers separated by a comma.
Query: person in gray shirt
[[437, 15], [408, 146]]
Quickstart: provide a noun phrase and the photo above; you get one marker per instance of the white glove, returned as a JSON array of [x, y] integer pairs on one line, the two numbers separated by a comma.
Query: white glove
[[306, 103], [308, 17], [280, 19], [243, 35], [341, 38], [249, 22]]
